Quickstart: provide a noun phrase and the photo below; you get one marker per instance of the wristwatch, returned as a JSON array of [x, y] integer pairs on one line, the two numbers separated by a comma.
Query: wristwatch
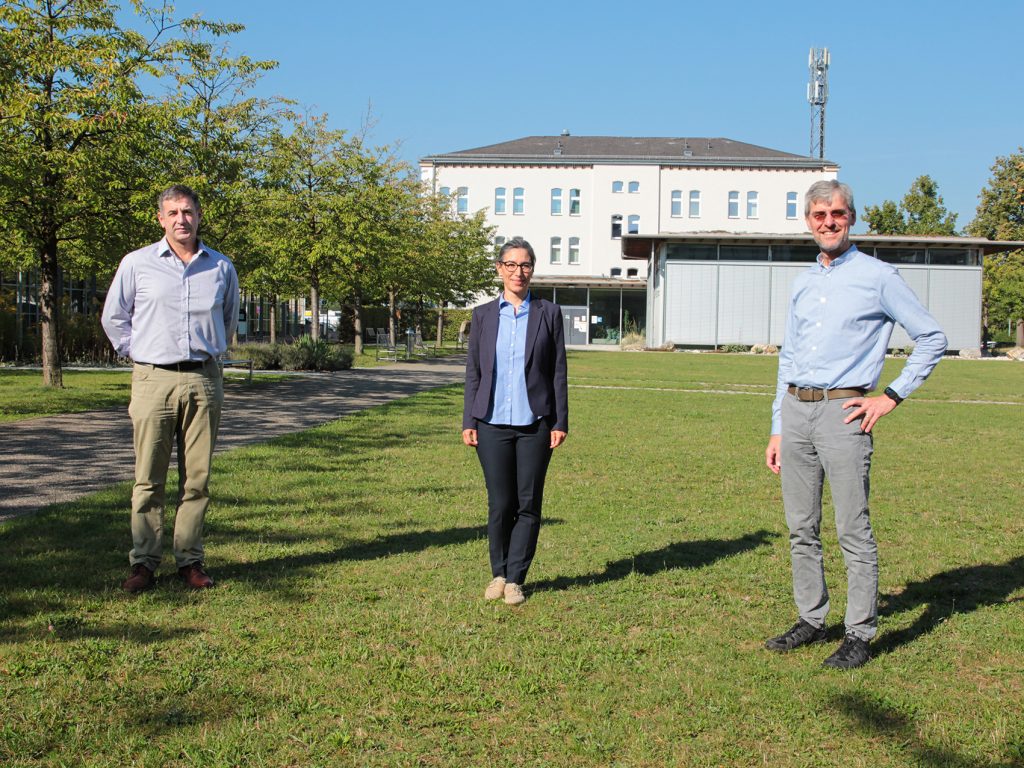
[[891, 394]]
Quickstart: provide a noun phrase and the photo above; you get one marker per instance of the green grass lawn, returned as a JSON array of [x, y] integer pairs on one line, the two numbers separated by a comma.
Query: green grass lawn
[[348, 626]]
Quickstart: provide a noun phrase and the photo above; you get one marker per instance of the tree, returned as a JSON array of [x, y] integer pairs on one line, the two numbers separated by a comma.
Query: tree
[[1000, 216], [921, 212], [305, 184], [457, 255], [76, 129]]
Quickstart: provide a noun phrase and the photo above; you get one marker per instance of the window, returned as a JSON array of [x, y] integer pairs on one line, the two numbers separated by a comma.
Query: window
[[694, 203], [499, 199], [616, 272], [743, 252], [499, 241], [632, 272], [734, 205], [574, 250], [634, 187], [446, 191], [556, 250], [574, 202], [616, 225], [751, 205], [462, 200], [617, 187], [791, 205], [518, 200], [677, 203], [556, 201], [633, 225]]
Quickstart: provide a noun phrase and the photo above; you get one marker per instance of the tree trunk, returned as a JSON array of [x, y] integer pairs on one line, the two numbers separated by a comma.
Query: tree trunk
[[273, 319], [392, 320], [440, 325], [1020, 333], [49, 313], [314, 300], [357, 324]]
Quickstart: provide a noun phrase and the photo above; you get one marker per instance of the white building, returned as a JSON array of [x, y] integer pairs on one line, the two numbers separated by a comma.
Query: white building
[[573, 197]]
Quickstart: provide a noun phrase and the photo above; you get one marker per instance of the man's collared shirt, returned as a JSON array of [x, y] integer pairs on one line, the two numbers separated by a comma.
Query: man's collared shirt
[[840, 320], [509, 401], [160, 310]]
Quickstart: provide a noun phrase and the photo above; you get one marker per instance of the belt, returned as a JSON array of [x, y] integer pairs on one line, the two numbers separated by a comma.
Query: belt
[[813, 394], [184, 365]]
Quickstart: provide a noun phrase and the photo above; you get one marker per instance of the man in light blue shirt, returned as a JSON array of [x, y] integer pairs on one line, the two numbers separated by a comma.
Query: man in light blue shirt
[[841, 316], [172, 308]]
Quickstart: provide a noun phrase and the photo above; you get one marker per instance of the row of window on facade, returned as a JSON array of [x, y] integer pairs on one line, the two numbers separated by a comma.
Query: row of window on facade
[[557, 198], [806, 253]]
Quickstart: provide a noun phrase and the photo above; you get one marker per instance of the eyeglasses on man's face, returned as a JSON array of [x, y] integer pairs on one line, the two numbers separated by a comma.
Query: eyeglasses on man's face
[[839, 214], [512, 266]]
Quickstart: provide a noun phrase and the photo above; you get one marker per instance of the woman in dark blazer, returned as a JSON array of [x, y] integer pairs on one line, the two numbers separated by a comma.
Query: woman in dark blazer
[[516, 412]]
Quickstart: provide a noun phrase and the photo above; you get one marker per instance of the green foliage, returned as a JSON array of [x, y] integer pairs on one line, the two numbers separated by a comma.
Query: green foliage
[[921, 212], [1000, 216], [309, 354], [265, 357], [735, 348]]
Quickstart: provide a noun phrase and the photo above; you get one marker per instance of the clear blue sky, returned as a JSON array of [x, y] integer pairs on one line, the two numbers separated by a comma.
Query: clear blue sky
[[915, 87]]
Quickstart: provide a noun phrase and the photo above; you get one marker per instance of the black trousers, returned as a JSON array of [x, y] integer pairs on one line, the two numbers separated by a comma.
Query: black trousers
[[515, 463]]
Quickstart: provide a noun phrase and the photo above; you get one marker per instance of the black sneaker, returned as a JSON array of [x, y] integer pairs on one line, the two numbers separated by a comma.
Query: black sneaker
[[853, 653], [799, 634]]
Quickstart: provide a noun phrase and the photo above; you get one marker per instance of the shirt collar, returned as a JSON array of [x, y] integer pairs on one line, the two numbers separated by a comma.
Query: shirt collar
[[847, 255], [503, 302], [166, 250]]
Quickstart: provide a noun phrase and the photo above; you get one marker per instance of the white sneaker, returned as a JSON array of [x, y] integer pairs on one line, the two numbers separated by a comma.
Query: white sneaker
[[495, 589], [514, 594]]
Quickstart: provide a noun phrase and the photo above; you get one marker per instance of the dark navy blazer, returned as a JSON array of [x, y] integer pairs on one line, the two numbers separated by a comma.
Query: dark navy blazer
[[546, 377]]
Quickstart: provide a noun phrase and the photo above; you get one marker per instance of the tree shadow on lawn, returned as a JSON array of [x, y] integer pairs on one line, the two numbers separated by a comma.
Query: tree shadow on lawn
[[959, 590], [878, 719], [682, 554]]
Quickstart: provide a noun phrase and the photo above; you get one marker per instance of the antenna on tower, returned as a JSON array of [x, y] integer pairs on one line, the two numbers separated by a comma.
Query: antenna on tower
[[817, 95]]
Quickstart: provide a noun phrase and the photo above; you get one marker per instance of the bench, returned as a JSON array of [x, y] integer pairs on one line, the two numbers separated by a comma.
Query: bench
[[386, 350], [248, 363]]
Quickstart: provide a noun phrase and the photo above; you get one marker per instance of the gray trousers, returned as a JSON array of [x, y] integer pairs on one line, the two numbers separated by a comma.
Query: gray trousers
[[817, 444]]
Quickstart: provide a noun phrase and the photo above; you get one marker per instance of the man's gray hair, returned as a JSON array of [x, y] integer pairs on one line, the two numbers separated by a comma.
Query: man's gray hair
[[823, 191], [517, 242], [176, 191]]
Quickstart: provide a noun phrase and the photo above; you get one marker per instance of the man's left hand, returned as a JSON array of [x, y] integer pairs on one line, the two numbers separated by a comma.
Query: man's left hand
[[870, 408]]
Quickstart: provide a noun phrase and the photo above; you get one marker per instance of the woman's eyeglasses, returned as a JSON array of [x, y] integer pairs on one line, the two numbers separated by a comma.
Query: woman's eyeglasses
[[512, 266]]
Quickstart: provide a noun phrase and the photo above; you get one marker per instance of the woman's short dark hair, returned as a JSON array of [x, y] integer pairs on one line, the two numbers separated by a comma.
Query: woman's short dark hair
[[517, 242]]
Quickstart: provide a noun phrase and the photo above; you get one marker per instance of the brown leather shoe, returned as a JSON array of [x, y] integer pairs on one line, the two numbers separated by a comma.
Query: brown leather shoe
[[194, 574], [140, 580]]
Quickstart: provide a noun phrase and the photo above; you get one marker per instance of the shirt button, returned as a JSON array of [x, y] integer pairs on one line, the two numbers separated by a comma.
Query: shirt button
[[818, 325], [822, 299]]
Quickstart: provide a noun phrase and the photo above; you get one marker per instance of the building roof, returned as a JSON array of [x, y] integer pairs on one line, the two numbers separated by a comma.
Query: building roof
[[588, 150], [639, 246]]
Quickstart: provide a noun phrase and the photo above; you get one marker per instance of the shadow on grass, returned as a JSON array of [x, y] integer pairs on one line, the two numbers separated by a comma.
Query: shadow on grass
[[876, 719], [279, 573], [682, 554], [959, 590]]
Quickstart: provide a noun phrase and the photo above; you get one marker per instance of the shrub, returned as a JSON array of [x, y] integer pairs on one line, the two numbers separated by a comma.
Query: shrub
[[265, 357], [735, 348], [308, 354]]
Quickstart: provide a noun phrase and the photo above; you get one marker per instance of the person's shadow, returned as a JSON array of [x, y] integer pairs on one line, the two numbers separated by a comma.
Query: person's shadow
[[959, 590], [681, 554]]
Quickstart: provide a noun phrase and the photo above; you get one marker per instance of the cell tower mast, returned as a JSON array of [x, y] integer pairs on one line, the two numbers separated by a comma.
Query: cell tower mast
[[817, 95]]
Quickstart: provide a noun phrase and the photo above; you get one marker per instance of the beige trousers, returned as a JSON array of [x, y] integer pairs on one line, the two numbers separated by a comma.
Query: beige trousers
[[168, 408]]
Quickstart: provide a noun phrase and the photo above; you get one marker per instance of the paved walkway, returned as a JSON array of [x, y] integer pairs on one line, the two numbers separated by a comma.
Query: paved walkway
[[61, 458]]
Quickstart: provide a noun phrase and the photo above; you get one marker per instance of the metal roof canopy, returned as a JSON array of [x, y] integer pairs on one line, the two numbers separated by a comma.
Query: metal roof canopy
[[641, 247]]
